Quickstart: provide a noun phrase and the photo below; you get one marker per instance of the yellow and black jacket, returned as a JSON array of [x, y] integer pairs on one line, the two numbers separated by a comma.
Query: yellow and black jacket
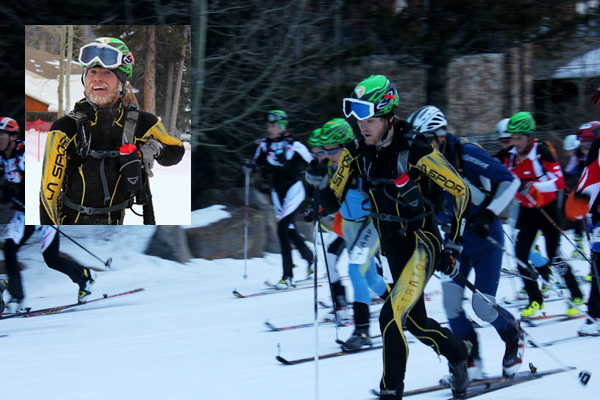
[[378, 167], [85, 170]]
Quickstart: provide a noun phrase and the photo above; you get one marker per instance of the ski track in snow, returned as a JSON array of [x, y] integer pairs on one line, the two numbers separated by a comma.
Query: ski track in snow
[[187, 337]]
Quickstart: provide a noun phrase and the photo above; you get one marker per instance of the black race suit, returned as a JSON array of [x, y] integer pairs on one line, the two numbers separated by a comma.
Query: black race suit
[[79, 177], [410, 240]]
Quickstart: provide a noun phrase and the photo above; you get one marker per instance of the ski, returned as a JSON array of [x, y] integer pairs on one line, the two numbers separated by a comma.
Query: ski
[[307, 325], [325, 356], [311, 324], [506, 302], [528, 376], [270, 291], [562, 340], [296, 284], [481, 386], [55, 310], [374, 302], [551, 319]]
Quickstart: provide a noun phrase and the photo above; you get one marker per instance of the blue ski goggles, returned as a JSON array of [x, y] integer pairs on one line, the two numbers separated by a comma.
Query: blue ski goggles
[[325, 152], [361, 109], [100, 53], [275, 118]]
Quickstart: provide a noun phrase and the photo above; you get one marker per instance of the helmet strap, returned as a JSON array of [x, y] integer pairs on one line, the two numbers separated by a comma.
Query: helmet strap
[[383, 140]]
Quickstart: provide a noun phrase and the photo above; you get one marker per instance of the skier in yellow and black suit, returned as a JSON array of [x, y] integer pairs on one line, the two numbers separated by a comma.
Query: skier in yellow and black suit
[[401, 177], [83, 181]]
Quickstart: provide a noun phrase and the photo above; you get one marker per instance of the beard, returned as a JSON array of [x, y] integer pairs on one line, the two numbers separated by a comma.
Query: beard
[[106, 100]]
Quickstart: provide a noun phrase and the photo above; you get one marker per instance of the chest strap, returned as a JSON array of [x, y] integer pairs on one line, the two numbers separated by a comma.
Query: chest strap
[[91, 210]]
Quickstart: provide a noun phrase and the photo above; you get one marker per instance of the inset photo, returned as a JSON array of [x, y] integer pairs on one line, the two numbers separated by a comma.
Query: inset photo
[[108, 120]]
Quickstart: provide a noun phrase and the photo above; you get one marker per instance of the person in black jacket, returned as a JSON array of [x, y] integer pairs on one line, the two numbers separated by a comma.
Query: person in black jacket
[[99, 157], [402, 177], [286, 157]]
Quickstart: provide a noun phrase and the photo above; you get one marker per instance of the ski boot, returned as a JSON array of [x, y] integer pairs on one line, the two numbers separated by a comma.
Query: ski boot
[[513, 355], [571, 310], [532, 308], [285, 283], [459, 381], [16, 306], [578, 251], [359, 338], [85, 287], [3, 285], [590, 328]]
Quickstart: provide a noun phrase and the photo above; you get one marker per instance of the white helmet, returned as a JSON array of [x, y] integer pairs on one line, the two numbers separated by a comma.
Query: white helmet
[[428, 120], [501, 130], [571, 142]]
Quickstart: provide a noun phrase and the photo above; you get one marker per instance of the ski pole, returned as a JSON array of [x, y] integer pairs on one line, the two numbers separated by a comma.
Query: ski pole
[[247, 206], [583, 377], [590, 244], [107, 263], [333, 299], [493, 241], [536, 275], [316, 297], [553, 223]]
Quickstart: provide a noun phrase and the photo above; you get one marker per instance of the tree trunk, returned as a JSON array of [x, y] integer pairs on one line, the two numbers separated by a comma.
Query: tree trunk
[[199, 19], [61, 68], [150, 70], [68, 68], [169, 101], [173, 123]]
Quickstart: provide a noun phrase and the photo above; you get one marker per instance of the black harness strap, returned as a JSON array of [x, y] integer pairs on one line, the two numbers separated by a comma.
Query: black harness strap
[[91, 210]]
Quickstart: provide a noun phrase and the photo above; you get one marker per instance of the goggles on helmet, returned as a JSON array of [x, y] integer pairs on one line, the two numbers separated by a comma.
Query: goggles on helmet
[[100, 53], [326, 152], [361, 109], [275, 118]]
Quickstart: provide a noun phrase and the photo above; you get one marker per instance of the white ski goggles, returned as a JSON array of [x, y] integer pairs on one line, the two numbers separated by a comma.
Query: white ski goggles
[[361, 109], [100, 53]]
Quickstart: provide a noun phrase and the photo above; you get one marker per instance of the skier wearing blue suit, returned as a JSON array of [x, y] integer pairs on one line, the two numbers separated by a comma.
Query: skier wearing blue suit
[[357, 228], [492, 187]]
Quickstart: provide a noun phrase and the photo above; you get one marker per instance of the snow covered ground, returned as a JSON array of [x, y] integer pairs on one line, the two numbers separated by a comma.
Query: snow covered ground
[[187, 337], [171, 186]]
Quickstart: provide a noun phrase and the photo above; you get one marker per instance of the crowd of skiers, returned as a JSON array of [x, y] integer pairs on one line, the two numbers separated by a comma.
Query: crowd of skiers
[[427, 200]]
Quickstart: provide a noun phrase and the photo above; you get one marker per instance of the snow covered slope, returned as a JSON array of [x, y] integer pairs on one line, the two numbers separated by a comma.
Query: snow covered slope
[[187, 337]]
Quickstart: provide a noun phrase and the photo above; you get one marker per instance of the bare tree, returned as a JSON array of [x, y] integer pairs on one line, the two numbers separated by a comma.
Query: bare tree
[[149, 70], [61, 67], [177, 91], [260, 55]]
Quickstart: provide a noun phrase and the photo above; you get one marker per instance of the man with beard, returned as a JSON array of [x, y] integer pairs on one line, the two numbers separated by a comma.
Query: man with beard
[[99, 157], [402, 178]]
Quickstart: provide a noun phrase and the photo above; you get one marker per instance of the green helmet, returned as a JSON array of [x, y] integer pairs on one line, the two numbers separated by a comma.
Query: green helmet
[[336, 131], [522, 123], [109, 53], [278, 117], [375, 96]]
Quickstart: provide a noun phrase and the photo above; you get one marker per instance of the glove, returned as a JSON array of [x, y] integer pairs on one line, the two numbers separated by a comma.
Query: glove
[[150, 151], [577, 206], [316, 174], [309, 214], [528, 191], [480, 223], [248, 168], [526, 188], [449, 261]]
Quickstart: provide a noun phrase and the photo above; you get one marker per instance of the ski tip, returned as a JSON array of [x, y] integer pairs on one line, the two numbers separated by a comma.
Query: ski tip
[[283, 360], [238, 294]]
